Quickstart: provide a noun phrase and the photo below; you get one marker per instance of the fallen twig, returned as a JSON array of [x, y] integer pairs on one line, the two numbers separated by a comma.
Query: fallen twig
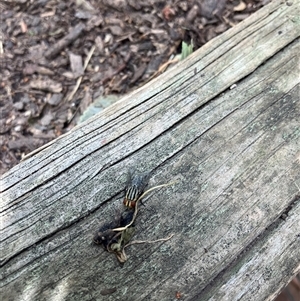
[[65, 41], [122, 255], [148, 241], [71, 95]]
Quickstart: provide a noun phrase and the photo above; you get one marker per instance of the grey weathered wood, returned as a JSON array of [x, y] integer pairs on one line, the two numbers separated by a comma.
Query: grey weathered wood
[[235, 156], [264, 269]]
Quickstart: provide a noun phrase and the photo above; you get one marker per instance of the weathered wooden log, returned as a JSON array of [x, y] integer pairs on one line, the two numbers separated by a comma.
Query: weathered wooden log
[[234, 154]]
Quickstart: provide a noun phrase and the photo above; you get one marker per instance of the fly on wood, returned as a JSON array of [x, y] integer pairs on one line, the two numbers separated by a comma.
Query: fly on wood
[[136, 185]]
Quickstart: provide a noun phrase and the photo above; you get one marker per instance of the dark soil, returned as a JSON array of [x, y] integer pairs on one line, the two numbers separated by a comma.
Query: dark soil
[[44, 45]]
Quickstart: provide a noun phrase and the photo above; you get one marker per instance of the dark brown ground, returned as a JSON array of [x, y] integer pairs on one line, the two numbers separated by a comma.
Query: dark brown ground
[[44, 45], [46, 42]]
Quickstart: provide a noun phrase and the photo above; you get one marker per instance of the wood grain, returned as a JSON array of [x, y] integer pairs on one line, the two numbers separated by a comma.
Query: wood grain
[[233, 152]]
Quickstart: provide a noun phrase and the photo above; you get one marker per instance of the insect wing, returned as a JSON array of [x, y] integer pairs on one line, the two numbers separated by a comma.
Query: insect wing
[[140, 181]]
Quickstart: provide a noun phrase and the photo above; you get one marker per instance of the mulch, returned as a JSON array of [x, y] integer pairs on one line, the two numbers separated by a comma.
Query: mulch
[[59, 57]]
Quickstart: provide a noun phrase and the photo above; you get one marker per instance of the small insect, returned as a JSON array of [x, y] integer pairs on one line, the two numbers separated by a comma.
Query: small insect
[[105, 236], [136, 184]]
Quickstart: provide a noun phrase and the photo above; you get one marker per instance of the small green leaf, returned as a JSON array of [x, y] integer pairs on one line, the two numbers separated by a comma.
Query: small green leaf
[[127, 235], [186, 49]]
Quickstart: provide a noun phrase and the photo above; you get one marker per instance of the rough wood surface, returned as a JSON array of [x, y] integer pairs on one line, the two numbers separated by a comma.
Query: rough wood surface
[[234, 153]]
